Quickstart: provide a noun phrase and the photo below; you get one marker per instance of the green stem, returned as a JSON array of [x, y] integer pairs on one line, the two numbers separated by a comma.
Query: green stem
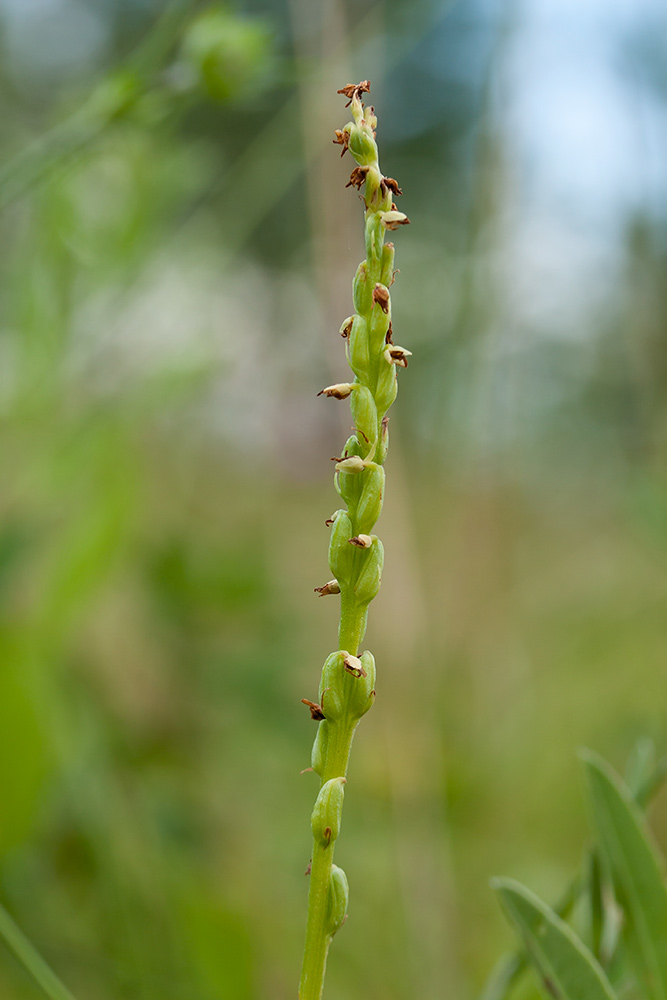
[[316, 948], [317, 943], [30, 958], [352, 623]]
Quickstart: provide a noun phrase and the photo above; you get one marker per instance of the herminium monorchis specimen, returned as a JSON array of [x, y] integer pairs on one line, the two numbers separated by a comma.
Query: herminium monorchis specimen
[[347, 688]]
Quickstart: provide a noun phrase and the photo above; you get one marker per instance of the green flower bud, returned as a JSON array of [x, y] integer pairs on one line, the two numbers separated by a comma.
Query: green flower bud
[[357, 346], [364, 414], [387, 386], [332, 686], [374, 234], [328, 812], [362, 145], [348, 482], [362, 290], [341, 554], [368, 581], [337, 900], [370, 502], [387, 264], [362, 694], [318, 757], [380, 321]]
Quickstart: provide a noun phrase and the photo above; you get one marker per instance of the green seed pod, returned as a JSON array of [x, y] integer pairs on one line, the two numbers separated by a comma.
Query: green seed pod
[[357, 347], [362, 693], [370, 577], [362, 289], [328, 812], [370, 502], [349, 484], [387, 264], [374, 233], [362, 145], [338, 895], [341, 553], [387, 386], [318, 757], [332, 686], [364, 415], [379, 325]]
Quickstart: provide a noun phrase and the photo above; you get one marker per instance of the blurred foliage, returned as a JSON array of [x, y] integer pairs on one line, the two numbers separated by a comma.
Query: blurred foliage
[[178, 246]]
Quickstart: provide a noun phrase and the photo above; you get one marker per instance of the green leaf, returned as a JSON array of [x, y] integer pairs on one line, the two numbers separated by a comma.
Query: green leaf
[[567, 970], [17, 942], [636, 869]]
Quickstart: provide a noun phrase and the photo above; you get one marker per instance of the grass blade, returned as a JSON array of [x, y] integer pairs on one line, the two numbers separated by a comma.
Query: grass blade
[[636, 868], [27, 955], [566, 968]]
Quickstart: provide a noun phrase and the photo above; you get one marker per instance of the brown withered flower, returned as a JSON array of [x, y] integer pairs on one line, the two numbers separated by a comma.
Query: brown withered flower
[[342, 139], [391, 185], [353, 666], [357, 177], [381, 297], [398, 356], [332, 587], [315, 710], [361, 541], [355, 89]]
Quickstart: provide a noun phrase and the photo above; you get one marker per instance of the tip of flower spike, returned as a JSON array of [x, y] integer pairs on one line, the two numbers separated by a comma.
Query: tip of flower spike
[[353, 90]]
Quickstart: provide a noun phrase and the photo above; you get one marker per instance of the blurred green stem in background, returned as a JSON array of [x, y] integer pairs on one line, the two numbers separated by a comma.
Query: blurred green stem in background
[[16, 940], [347, 688]]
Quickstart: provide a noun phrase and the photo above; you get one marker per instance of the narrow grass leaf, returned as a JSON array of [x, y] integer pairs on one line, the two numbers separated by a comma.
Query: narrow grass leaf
[[566, 968], [637, 871], [30, 958]]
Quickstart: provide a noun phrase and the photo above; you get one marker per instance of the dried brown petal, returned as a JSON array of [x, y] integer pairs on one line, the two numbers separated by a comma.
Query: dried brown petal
[[346, 327], [357, 177], [381, 296], [353, 90], [392, 185], [331, 587], [354, 666], [342, 139], [361, 541], [341, 390], [315, 710], [398, 356]]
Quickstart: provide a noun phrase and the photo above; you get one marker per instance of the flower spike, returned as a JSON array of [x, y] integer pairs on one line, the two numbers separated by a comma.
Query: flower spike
[[356, 555]]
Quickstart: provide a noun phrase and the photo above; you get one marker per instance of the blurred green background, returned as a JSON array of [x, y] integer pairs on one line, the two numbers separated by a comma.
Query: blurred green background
[[178, 247]]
